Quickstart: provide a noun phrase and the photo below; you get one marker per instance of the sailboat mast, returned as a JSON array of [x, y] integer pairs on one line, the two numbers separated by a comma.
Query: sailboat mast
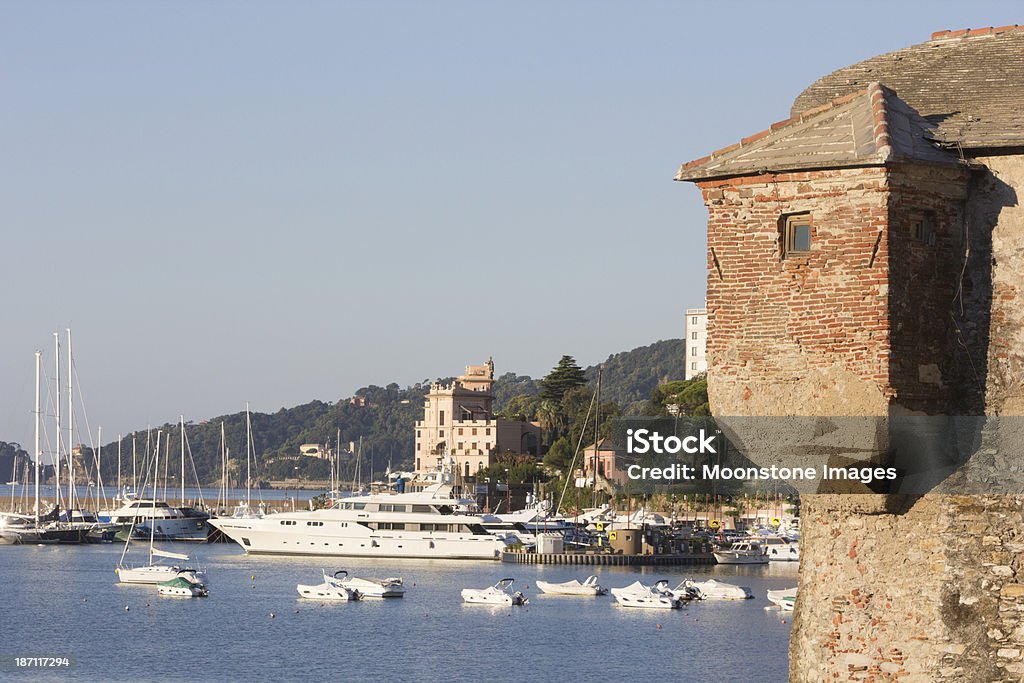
[[56, 380], [99, 465], [597, 429], [152, 509], [248, 458], [118, 464], [71, 436], [182, 460], [223, 467], [135, 478], [35, 449]]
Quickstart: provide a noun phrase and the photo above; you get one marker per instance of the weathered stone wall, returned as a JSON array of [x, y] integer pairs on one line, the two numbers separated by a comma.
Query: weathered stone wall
[[803, 330], [874, 320], [996, 225]]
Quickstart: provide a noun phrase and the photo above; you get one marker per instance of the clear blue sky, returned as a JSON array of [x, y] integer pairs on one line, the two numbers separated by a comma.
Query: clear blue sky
[[276, 202]]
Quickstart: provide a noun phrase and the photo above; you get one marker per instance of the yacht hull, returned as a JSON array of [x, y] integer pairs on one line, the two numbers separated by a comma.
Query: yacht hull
[[262, 537]]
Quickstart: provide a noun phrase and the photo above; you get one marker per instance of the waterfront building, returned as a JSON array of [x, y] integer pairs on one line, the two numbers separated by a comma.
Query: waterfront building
[[459, 421], [696, 342], [609, 462], [865, 259]]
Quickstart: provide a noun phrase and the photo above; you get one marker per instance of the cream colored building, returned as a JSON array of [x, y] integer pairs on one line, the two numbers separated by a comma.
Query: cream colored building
[[696, 341], [458, 420]]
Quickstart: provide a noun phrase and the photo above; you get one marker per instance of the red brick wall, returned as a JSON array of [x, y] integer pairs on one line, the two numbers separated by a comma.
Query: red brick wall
[[773, 322], [871, 304]]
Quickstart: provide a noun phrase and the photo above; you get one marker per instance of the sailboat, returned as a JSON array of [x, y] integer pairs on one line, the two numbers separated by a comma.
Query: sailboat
[[155, 572], [245, 510]]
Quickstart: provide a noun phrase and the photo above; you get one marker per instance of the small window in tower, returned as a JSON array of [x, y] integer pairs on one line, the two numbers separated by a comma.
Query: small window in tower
[[693, 350], [796, 235], [440, 417], [693, 336], [922, 227]]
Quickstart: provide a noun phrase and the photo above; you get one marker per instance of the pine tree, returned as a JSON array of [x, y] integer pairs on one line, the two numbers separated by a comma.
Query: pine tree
[[565, 376]]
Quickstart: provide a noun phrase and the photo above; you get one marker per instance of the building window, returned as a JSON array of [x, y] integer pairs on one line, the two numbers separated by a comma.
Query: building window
[[460, 431], [693, 350], [440, 419], [440, 433], [488, 431], [922, 227], [693, 336], [693, 320], [474, 431], [693, 366], [796, 235]]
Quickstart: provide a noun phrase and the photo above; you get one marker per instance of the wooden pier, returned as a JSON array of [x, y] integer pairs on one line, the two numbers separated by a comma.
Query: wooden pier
[[608, 559]]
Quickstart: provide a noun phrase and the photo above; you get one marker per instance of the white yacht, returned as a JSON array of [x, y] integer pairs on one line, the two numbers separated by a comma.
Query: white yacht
[[743, 552], [431, 524], [169, 523]]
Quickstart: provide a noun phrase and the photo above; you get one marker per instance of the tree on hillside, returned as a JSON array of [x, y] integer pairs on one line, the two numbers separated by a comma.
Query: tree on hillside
[[565, 376], [689, 396]]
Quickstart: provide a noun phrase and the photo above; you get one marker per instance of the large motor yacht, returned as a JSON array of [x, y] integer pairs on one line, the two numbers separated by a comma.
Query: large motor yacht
[[431, 523]]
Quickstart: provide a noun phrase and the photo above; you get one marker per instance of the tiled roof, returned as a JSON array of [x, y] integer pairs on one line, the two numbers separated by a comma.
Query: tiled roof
[[969, 83], [868, 127]]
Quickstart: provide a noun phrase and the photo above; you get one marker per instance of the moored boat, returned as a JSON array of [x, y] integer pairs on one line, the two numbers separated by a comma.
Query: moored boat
[[742, 552], [574, 587], [785, 598], [330, 589], [430, 524], [500, 593], [646, 597], [716, 590], [183, 587], [373, 588]]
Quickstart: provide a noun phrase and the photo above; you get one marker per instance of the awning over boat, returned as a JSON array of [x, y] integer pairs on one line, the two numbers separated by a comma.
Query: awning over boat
[[165, 553]]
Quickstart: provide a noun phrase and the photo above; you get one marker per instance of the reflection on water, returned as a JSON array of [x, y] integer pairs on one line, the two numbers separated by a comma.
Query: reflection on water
[[64, 600]]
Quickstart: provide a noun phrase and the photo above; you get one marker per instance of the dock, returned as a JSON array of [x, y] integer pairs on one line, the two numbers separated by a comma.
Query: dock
[[609, 559]]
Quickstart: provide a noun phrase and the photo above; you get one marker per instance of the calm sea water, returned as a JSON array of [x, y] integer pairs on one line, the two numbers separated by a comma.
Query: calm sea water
[[65, 601]]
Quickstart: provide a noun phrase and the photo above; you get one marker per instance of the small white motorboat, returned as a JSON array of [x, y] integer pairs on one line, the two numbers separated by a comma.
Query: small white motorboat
[[715, 590], [785, 598], [743, 552], [574, 587], [372, 588], [783, 552], [500, 593], [330, 589], [183, 587], [650, 597]]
